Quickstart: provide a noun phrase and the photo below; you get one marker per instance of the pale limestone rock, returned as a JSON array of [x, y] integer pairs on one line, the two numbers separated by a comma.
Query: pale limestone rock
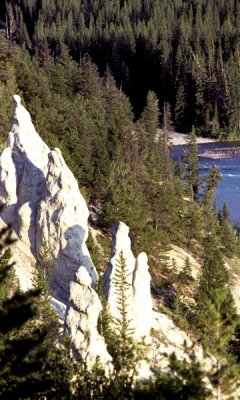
[[62, 221], [120, 244], [24, 140], [81, 321], [23, 261], [139, 306], [168, 339], [232, 266], [137, 291], [27, 157], [8, 181], [169, 331], [83, 277], [179, 255], [44, 206], [43, 201], [29, 154], [142, 299]]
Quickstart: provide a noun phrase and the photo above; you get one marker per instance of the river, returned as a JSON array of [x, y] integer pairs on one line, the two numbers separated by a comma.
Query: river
[[225, 156]]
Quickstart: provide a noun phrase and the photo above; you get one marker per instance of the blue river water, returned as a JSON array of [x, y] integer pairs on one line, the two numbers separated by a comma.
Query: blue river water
[[225, 156]]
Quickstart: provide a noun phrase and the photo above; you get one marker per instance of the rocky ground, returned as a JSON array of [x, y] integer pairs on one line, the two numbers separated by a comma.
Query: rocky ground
[[46, 209], [178, 139]]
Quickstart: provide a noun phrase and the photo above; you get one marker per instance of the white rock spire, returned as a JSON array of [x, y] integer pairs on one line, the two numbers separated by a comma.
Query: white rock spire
[[43, 201], [139, 306]]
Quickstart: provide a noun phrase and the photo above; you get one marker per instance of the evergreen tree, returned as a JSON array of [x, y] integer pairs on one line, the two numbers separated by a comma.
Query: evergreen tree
[[194, 67], [122, 347], [214, 276], [29, 368], [149, 124], [227, 234], [218, 328], [192, 166], [183, 381], [210, 238], [193, 221], [166, 158], [185, 276]]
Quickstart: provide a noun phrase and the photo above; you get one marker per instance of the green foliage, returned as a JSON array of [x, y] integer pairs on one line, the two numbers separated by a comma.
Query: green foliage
[[188, 63], [185, 380], [214, 277], [194, 65], [121, 345], [214, 274], [45, 263], [123, 169], [227, 235], [178, 288], [118, 333], [148, 124], [29, 368], [194, 223], [185, 276], [94, 250], [210, 184], [218, 328], [192, 166], [9, 281]]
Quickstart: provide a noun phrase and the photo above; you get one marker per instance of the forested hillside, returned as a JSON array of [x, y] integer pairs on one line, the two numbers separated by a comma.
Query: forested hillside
[[185, 51], [127, 174], [106, 82]]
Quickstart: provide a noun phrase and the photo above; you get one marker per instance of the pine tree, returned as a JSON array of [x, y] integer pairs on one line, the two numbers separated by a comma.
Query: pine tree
[[28, 368], [166, 158], [210, 238], [192, 166], [148, 124], [214, 276], [124, 345], [10, 280], [120, 342], [184, 380], [215, 123], [227, 235], [193, 222], [218, 328], [185, 276]]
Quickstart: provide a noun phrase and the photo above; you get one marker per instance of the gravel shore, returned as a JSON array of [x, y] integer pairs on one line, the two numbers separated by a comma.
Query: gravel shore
[[178, 139]]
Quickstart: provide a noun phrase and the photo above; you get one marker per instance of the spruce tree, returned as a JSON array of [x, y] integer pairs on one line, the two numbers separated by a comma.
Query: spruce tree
[[148, 125], [192, 166], [227, 235], [120, 341], [124, 348], [218, 328], [214, 276], [167, 128], [29, 368]]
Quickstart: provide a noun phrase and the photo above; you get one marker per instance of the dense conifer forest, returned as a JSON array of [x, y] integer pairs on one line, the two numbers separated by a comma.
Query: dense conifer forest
[[101, 80], [187, 52]]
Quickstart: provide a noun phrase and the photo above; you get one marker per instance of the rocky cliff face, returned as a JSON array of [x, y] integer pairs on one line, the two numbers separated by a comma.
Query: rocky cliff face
[[43, 201], [139, 307], [44, 206], [81, 321]]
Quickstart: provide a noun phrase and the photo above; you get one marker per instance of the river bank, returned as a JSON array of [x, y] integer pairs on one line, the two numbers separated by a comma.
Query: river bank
[[179, 139], [226, 157]]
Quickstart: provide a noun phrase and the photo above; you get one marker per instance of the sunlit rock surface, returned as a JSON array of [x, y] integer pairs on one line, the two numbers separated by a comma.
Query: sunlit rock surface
[[137, 288], [43, 202], [82, 319]]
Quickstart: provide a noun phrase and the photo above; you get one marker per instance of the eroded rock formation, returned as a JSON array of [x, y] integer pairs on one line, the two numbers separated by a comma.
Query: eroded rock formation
[[43, 201], [139, 307], [44, 206], [82, 319]]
